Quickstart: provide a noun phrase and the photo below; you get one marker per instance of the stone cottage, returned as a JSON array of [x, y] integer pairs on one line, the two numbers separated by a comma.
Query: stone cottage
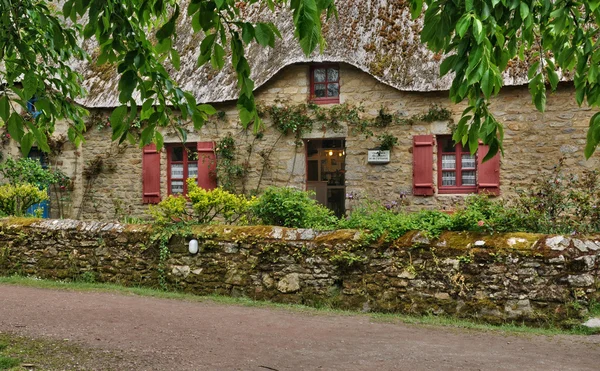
[[374, 82]]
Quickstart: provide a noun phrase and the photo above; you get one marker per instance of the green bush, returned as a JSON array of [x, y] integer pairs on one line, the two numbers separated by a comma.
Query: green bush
[[203, 207], [16, 199], [289, 207], [481, 213], [171, 209], [388, 224], [27, 170]]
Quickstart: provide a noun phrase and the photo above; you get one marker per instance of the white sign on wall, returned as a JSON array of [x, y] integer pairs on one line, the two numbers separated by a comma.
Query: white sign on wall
[[377, 156]]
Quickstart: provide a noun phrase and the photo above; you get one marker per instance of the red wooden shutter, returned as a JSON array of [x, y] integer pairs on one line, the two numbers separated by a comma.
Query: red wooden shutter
[[423, 165], [488, 173], [151, 175], [207, 165]]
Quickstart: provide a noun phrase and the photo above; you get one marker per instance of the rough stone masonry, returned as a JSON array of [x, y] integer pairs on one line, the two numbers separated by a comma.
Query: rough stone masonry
[[517, 277]]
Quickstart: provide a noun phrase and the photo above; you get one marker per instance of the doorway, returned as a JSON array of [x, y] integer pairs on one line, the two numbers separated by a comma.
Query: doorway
[[326, 172]]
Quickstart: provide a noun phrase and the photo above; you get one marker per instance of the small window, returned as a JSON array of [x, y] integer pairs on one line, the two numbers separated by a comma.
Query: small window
[[457, 167], [325, 84]]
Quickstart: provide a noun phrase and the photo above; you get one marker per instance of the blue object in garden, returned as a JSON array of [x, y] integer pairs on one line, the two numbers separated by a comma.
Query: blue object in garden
[[38, 155], [43, 205], [31, 108]]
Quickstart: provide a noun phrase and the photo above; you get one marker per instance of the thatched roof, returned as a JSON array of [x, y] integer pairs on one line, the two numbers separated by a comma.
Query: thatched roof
[[376, 36]]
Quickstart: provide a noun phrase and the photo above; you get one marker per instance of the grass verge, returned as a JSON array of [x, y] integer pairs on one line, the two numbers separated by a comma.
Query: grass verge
[[19, 353], [431, 320]]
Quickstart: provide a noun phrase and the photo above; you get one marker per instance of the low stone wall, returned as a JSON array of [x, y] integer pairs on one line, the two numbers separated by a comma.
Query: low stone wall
[[516, 277]]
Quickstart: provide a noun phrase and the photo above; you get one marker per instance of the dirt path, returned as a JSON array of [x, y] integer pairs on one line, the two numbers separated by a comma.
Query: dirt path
[[160, 334]]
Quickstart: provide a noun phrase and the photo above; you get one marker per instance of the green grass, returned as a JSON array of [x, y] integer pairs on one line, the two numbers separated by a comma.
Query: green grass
[[7, 363], [430, 320]]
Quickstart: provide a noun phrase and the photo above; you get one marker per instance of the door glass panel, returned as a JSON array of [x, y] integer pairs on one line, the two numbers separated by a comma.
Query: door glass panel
[[448, 178], [312, 173], [468, 161], [468, 178], [319, 90], [448, 161]]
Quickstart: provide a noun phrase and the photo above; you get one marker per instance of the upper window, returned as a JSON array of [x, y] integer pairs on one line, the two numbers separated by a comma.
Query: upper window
[[325, 84], [457, 167]]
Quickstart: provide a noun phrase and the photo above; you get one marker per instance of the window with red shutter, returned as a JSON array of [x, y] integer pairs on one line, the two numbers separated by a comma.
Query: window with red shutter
[[150, 175], [423, 165], [195, 160]]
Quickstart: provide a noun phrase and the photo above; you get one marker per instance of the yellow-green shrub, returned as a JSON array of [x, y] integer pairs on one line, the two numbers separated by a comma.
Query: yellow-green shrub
[[171, 209], [16, 199], [218, 203]]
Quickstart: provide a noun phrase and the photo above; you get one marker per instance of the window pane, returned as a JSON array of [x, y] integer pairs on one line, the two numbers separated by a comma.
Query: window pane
[[319, 74], [448, 161], [332, 74], [177, 171], [468, 161], [468, 178], [333, 90], [448, 178], [177, 186], [447, 145], [177, 154], [193, 170], [319, 90]]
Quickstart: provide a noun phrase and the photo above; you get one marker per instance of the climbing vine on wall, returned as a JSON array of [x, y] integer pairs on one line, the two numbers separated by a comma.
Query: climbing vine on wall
[[302, 118], [229, 171]]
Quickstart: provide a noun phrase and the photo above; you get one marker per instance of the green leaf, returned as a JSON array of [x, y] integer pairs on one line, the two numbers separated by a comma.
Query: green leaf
[[593, 136], [127, 85], [207, 108], [462, 26], [264, 35], [478, 30], [26, 143], [168, 29], [175, 60], [447, 64], [524, 10], [552, 77], [4, 108], [416, 6], [30, 84], [218, 57], [14, 125], [247, 33], [116, 121], [487, 84]]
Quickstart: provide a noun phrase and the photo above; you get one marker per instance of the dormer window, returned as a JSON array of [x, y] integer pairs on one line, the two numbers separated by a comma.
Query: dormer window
[[325, 84]]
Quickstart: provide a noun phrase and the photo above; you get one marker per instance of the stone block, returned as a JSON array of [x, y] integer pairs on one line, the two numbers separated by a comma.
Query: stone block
[[289, 283]]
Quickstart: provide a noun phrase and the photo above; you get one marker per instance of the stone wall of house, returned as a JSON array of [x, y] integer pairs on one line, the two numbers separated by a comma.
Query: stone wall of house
[[495, 278], [534, 142]]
